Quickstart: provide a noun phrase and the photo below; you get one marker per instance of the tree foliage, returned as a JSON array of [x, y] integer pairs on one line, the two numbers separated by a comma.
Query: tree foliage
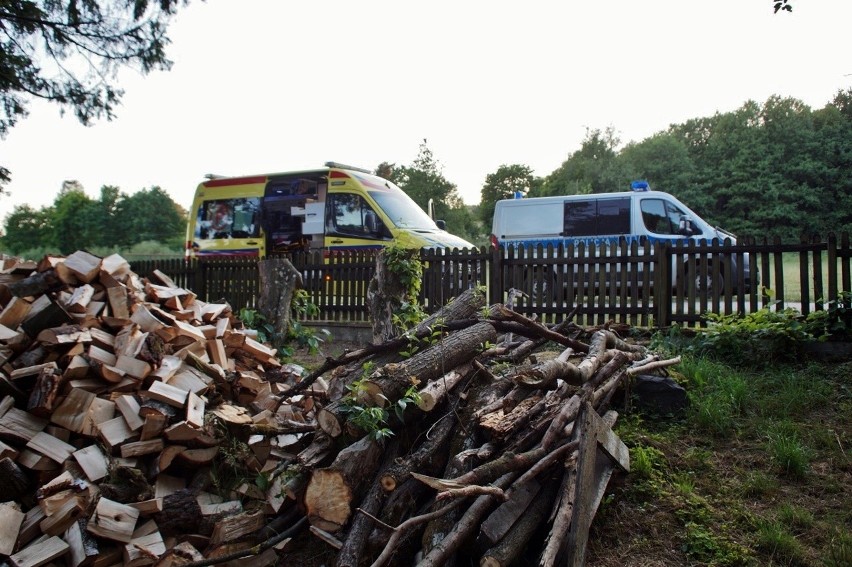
[[591, 169], [777, 169], [504, 184], [68, 52], [424, 181], [75, 221]]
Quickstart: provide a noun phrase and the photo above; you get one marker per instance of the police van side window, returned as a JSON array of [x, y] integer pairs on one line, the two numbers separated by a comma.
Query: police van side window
[[660, 217], [350, 215], [594, 217]]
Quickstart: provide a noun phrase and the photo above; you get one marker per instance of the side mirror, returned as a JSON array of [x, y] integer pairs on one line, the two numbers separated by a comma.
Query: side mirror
[[685, 226], [442, 224]]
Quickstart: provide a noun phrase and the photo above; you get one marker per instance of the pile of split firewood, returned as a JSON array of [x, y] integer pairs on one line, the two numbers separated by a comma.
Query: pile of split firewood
[[140, 425]]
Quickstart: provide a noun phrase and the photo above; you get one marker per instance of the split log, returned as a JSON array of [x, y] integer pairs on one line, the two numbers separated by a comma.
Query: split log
[[333, 491]]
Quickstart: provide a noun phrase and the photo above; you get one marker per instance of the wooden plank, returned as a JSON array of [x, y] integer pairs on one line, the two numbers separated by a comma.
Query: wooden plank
[[83, 547], [40, 552], [133, 367], [169, 365], [101, 410], [237, 526], [13, 519], [15, 312], [167, 394], [195, 411], [114, 432], [140, 448], [116, 266], [113, 520], [80, 298], [129, 408], [149, 507], [594, 469], [93, 461], [51, 447], [189, 379], [118, 302], [30, 528], [71, 413]]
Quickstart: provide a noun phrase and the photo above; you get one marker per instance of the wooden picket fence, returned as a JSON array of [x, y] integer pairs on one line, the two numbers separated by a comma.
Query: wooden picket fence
[[639, 283]]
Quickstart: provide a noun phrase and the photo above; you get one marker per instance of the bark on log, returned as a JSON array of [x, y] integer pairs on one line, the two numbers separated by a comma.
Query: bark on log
[[465, 306], [514, 543], [352, 552], [436, 390], [14, 482], [484, 391], [433, 446], [391, 381], [181, 514], [386, 292], [43, 395], [440, 554], [279, 279], [36, 284]]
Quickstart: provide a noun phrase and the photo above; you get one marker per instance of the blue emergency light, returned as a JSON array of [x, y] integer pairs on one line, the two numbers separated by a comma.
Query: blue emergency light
[[640, 185]]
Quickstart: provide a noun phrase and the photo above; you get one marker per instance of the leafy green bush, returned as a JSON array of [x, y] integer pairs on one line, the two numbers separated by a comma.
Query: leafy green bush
[[755, 338]]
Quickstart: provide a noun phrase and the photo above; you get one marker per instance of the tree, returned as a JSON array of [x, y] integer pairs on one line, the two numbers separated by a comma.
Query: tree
[[75, 219], [503, 184], [150, 215], [26, 228], [69, 53], [423, 181], [591, 169]]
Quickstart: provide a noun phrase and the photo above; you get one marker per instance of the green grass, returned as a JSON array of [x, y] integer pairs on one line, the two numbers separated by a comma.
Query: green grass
[[755, 473], [792, 276]]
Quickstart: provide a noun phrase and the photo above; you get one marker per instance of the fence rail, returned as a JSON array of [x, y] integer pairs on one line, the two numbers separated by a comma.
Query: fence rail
[[639, 283]]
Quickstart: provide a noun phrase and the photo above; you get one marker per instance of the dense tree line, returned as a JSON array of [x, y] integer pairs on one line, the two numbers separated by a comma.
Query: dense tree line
[[779, 169], [75, 221]]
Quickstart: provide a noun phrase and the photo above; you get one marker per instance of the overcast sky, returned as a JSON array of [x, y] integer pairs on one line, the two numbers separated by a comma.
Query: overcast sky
[[263, 86]]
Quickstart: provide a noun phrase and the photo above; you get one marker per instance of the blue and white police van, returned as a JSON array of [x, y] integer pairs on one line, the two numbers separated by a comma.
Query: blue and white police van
[[604, 219]]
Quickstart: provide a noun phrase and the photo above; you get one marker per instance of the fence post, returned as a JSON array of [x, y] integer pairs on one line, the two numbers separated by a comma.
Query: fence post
[[663, 285], [495, 283], [200, 279]]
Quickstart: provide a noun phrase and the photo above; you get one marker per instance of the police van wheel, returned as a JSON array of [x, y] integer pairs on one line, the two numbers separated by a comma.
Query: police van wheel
[[540, 285], [709, 282]]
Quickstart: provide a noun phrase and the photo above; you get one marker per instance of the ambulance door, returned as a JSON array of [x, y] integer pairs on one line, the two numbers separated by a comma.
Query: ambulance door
[[351, 223]]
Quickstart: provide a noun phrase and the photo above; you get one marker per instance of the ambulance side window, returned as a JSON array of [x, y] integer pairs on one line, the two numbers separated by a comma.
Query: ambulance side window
[[348, 214], [228, 218]]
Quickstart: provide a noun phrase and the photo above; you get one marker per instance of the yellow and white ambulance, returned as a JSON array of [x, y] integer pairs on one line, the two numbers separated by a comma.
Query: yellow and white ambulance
[[335, 208]]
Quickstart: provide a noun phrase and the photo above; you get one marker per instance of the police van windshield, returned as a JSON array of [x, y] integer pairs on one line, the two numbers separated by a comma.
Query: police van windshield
[[403, 211]]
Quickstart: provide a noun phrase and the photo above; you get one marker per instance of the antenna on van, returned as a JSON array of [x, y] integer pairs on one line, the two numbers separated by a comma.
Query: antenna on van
[[344, 166]]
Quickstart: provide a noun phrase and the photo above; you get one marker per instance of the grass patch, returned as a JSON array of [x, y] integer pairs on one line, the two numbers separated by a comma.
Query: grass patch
[[757, 472]]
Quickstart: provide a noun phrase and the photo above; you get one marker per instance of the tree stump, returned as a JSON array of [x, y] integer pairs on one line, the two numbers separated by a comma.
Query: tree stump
[[279, 279]]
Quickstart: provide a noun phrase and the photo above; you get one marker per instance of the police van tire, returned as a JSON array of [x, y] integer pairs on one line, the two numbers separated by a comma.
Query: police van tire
[[540, 286], [707, 283]]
